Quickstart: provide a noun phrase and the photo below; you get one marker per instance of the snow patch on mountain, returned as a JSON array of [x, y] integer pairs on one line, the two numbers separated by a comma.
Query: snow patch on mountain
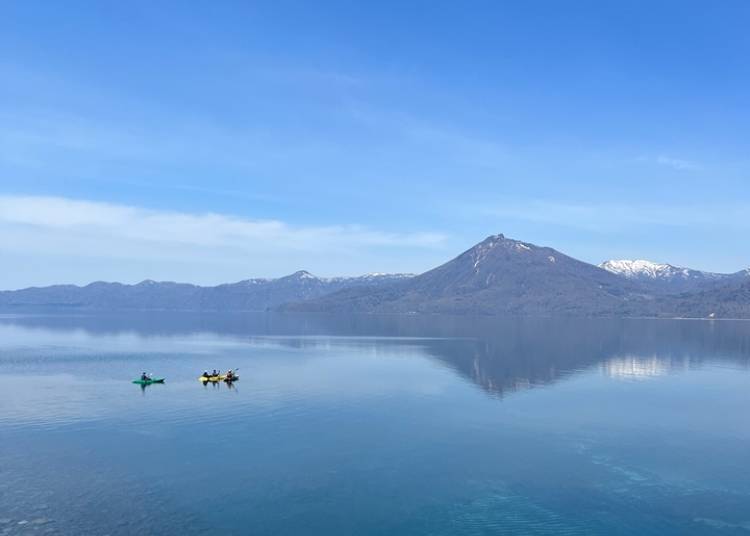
[[371, 277], [642, 269], [481, 251]]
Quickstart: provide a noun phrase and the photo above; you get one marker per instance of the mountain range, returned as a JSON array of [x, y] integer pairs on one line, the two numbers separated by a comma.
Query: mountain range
[[502, 276], [246, 295], [498, 276], [667, 278]]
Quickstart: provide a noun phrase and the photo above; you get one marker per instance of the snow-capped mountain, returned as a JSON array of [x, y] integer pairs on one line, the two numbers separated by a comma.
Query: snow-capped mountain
[[371, 278], [639, 269], [665, 277], [502, 276], [496, 276]]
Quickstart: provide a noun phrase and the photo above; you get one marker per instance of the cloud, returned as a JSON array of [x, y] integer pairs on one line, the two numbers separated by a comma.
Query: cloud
[[206, 229], [679, 164], [675, 163], [71, 228], [42, 141], [607, 217], [448, 144]]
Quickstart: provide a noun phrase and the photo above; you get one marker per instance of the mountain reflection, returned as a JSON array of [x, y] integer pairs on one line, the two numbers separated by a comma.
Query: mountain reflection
[[501, 355], [509, 355], [635, 367]]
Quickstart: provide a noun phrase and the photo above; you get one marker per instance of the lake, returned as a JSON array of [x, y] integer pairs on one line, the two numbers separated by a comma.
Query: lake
[[373, 425]]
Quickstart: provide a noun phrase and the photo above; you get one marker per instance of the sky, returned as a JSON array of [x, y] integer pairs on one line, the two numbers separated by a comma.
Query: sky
[[209, 142]]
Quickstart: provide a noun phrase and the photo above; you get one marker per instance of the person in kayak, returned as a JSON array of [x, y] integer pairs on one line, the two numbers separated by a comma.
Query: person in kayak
[[205, 374], [215, 373], [144, 377], [230, 375]]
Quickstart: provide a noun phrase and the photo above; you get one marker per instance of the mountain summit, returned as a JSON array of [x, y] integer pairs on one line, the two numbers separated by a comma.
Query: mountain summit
[[499, 275]]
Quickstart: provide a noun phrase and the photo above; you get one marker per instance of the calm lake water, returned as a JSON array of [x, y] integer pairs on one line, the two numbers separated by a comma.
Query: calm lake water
[[374, 425]]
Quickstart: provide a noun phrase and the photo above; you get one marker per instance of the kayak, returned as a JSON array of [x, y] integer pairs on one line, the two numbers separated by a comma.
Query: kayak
[[208, 378], [219, 378], [149, 381]]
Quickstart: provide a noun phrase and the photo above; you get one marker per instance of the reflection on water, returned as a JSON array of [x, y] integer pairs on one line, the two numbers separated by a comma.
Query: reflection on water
[[638, 368], [373, 425], [500, 355]]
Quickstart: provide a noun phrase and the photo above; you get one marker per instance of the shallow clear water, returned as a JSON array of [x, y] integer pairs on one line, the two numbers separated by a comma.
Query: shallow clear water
[[374, 425]]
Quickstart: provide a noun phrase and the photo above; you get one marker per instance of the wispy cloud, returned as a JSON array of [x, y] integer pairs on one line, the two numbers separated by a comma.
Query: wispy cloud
[[208, 229], [66, 125], [70, 228], [675, 163], [679, 164], [80, 131], [607, 217], [48, 140], [443, 142]]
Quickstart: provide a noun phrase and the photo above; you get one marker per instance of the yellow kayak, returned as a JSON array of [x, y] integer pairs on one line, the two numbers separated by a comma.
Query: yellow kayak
[[219, 378]]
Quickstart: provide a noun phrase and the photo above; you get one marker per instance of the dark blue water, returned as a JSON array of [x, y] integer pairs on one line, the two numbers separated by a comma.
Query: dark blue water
[[374, 425]]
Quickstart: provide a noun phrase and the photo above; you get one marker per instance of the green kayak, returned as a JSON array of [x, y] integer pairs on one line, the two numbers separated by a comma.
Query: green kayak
[[149, 382]]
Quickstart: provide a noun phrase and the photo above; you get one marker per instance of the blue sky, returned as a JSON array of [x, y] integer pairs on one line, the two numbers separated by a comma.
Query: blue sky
[[212, 142]]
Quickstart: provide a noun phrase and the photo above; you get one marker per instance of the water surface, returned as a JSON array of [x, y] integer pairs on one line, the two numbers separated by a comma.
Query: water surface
[[373, 425]]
